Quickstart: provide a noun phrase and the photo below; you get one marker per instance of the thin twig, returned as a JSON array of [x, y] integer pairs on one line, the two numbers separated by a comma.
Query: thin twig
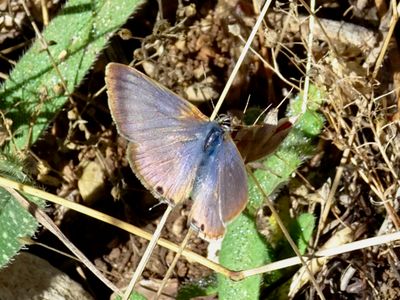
[[385, 44], [175, 260], [45, 12], [147, 253], [286, 234]]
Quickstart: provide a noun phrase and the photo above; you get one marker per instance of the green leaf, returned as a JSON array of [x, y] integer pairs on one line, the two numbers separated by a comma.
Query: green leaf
[[33, 94], [133, 296], [242, 248], [31, 97], [15, 221], [302, 230]]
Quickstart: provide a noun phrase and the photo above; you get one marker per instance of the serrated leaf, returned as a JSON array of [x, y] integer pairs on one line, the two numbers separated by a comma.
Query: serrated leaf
[[15, 221], [34, 92]]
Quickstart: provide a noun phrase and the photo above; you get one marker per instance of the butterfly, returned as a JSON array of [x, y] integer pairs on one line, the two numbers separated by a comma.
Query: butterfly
[[176, 151]]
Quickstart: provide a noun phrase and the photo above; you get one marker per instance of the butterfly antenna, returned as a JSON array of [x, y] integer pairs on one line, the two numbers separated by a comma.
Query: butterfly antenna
[[247, 105], [173, 264], [147, 253], [261, 114]]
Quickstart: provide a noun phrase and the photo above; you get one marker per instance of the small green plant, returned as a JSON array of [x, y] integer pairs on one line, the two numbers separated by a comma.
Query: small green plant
[[37, 90], [243, 247]]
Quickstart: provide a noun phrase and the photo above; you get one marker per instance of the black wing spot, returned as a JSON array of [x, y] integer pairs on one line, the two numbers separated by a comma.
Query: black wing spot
[[202, 227], [160, 190]]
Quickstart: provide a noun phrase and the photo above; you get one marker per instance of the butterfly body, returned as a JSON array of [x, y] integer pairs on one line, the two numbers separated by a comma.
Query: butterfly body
[[176, 151]]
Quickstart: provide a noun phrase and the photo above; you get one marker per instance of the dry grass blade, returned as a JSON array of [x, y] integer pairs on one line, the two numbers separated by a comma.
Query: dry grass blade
[[49, 225], [323, 255], [7, 183], [146, 255], [173, 264]]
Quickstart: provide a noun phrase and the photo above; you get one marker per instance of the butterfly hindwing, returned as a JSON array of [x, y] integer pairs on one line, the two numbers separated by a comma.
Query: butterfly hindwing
[[220, 190]]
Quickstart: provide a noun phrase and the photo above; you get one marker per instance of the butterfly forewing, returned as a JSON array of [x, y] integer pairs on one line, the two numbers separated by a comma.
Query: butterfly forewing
[[233, 182], [136, 101], [165, 132], [168, 170]]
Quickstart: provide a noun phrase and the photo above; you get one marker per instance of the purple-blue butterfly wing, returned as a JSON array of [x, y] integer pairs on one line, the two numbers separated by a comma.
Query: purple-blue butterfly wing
[[220, 191], [176, 151], [165, 132]]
